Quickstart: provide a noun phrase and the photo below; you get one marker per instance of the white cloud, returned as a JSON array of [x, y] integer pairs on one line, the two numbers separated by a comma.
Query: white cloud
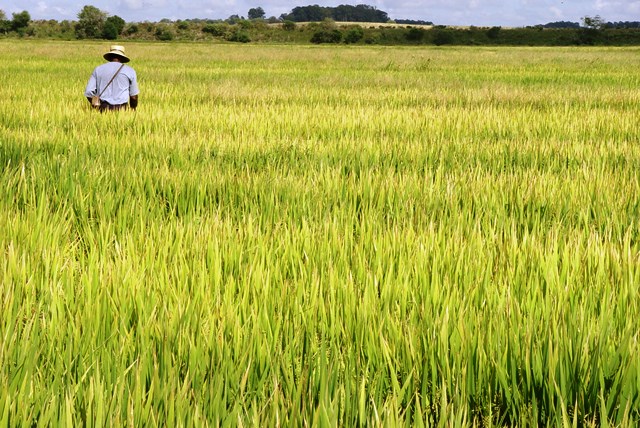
[[42, 7], [557, 12], [132, 4], [602, 4], [634, 8]]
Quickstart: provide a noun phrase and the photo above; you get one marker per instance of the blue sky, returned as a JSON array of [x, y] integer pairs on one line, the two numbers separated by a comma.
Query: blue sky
[[446, 12]]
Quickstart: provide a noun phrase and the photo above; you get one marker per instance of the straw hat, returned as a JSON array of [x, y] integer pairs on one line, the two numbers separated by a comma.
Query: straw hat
[[118, 51]]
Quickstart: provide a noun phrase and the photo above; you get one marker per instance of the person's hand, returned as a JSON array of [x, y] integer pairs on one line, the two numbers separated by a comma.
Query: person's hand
[[133, 102]]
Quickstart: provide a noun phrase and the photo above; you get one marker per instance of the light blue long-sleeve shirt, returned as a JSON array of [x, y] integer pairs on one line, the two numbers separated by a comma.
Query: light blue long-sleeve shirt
[[125, 84]]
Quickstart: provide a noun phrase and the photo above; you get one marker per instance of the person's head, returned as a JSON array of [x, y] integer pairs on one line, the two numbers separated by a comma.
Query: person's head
[[116, 54]]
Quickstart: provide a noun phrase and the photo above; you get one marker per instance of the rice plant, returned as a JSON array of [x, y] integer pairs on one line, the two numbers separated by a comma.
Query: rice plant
[[321, 236]]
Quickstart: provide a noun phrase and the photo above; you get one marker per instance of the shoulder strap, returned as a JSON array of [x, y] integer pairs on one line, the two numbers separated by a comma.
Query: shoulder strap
[[114, 76]]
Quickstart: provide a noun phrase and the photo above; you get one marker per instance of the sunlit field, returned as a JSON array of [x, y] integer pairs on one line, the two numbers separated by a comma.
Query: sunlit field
[[321, 236]]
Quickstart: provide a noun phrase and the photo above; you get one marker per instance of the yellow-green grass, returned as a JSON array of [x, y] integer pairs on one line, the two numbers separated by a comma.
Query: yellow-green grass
[[327, 236]]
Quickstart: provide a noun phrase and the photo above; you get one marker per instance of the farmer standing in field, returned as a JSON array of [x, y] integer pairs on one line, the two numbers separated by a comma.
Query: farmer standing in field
[[114, 85]]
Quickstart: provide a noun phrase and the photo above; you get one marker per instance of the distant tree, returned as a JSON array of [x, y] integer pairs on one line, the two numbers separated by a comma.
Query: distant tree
[[113, 27], [625, 24], [342, 13], [20, 21], [256, 13], [562, 24], [5, 24], [591, 31], [413, 22], [358, 13], [90, 23], [109, 31], [313, 13], [593, 22]]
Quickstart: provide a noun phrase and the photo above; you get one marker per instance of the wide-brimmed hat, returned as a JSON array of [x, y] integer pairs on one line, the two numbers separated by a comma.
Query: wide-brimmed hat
[[116, 50]]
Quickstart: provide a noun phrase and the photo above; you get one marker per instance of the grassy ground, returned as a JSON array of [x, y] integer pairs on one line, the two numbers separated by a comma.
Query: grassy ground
[[321, 236]]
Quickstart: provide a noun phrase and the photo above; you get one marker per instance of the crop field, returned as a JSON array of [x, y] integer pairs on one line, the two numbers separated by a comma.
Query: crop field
[[321, 236]]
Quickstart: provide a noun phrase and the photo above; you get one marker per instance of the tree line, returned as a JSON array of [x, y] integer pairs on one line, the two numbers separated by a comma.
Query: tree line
[[342, 13], [304, 27], [18, 24]]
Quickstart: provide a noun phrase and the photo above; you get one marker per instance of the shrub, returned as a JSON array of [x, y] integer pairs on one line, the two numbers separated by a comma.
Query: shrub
[[442, 37], [326, 36], [328, 24], [414, 34], [245, 24], [354, 35], [164, 34], [216, 30], [132, 29], [589, 36], [239, 35], [493, 32]]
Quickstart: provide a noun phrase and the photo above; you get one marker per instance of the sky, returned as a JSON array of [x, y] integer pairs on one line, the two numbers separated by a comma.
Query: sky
[[443, 12]]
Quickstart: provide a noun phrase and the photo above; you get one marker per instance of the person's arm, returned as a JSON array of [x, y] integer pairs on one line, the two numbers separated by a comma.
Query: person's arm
[[133, 90], [133, 101], [92, 87]]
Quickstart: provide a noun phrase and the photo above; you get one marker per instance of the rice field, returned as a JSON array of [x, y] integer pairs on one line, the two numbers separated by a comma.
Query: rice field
[[321, 236]]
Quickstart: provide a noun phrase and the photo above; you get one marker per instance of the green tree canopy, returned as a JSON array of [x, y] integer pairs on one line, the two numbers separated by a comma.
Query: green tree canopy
[[342, 13], [20, 21], [256, 13], [90, 23], [5, 25], [593, 22], [113, 27]]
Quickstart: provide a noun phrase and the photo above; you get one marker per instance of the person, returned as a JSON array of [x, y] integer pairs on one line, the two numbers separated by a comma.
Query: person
[[123, 90]]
